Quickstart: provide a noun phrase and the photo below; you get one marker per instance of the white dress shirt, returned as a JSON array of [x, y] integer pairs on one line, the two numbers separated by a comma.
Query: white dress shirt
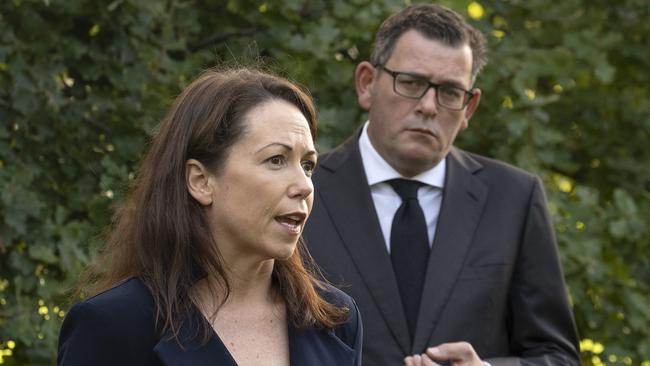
[[387, 201]]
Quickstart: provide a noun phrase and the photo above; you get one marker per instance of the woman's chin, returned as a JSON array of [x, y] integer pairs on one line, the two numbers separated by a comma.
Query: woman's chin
[[285, 253]]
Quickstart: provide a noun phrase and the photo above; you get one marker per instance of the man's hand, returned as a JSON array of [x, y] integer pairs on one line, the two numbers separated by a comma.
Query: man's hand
[[419, 360], [453, 354]]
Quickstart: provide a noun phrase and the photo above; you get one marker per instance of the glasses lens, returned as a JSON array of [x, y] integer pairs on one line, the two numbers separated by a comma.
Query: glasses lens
[[451, 96], [410, 86]]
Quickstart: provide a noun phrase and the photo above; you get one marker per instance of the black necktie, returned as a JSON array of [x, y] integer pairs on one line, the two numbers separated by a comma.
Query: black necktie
[[409, 248]]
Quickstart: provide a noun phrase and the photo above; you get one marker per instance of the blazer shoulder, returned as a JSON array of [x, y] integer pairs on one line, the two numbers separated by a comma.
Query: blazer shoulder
[[340, 154], [336, 297], [120, 318], [128, 300], [351, 331], [495, 172]]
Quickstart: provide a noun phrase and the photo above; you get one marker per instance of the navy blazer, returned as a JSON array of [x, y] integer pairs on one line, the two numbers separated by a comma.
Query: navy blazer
[[117, 327]]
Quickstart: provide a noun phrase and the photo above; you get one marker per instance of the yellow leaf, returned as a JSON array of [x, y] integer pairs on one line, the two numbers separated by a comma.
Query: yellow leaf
[[498, 34], [94, 30], [507, 103], [475, 10], [530, 93], [598, 348], [586, 345]]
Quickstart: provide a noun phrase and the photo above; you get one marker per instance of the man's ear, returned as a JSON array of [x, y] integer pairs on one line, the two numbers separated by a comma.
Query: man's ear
[[471, 107], [364, 78], [199, 184]]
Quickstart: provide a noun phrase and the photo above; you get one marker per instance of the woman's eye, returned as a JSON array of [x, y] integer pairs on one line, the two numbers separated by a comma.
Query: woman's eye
[[276, 160], [308, 166]]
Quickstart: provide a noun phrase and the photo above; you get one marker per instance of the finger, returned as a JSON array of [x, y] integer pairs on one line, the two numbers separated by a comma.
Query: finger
[[409, 361], [457, 351], [426, 361]]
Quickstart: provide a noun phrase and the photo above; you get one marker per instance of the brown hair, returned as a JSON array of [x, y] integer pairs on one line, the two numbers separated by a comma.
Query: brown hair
[[162, 235], [434, 22]]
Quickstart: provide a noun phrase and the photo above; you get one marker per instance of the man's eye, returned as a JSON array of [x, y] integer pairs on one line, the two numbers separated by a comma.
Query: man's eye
[[451, 92], [410, 82], [407, 81]]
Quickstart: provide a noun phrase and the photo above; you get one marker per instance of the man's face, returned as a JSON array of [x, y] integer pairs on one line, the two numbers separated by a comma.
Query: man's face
[[413, 135]]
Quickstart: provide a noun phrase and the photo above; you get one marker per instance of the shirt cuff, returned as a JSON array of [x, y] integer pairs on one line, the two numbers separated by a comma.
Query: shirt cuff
[[485, 363]]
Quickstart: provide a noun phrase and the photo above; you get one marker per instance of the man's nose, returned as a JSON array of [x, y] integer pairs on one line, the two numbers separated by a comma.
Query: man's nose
[[428, 106]]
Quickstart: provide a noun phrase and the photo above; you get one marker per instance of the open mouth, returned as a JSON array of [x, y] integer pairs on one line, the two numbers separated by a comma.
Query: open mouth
[[292, 222]]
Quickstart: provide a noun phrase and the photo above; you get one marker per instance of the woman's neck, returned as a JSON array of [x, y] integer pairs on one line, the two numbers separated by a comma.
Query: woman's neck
[[251, 284]]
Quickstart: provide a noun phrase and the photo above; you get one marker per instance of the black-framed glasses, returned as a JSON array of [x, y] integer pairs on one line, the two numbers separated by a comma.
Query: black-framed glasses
[[414, 86]]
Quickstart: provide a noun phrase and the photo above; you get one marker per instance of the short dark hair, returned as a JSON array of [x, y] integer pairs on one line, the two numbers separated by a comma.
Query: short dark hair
[[434, 22]]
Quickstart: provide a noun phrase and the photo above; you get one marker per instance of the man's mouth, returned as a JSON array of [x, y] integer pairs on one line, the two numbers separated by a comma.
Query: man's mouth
[[425, 131]]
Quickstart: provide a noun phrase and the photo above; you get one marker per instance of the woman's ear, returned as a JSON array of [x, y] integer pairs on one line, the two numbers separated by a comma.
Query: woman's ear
[[199, 182]]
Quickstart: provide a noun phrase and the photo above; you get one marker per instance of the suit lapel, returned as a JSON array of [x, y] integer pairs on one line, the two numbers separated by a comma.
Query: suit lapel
[[359, 229], [462, 205]]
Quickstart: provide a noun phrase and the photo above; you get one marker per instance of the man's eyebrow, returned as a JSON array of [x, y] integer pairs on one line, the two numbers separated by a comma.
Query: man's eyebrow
[[443, 82]]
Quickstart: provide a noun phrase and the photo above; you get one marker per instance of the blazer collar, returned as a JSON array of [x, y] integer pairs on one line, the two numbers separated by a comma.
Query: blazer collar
[[189, 349], [306, 347]]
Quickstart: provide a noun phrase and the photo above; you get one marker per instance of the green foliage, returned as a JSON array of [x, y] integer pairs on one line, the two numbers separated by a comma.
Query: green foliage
[[578, 115], [83, 84]]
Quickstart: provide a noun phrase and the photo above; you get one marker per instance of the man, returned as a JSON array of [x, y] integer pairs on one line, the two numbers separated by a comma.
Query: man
[[450, 256]]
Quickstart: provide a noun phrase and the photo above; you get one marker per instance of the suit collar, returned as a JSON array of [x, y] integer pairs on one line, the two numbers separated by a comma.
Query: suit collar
[[378, 170], [342, 179], [463, 201]]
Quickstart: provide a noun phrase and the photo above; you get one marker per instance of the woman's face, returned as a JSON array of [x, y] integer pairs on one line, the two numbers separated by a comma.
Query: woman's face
[[263, 194]]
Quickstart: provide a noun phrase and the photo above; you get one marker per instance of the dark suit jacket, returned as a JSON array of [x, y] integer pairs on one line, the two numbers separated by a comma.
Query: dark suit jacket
[[493, 277], [117, 327]]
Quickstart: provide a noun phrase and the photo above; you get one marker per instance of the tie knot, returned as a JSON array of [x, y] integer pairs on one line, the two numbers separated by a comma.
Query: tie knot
[[405, 188]]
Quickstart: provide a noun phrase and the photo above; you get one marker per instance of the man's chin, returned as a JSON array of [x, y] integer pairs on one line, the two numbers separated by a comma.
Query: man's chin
[[413, 164]]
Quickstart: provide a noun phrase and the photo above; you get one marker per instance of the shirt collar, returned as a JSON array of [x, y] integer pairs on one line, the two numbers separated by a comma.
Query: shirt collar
[[378, 170]]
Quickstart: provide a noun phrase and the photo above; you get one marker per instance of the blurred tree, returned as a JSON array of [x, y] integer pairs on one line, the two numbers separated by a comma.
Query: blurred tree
[[566, 97], [83, 84]]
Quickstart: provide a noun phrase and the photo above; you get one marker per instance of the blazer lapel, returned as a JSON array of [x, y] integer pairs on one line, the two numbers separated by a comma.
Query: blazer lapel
[[462, 205], [306, 347], [192, 351], [316, 347], [359, 229]]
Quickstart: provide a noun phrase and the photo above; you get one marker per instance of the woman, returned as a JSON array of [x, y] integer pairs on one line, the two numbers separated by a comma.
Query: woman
[[205, 262]]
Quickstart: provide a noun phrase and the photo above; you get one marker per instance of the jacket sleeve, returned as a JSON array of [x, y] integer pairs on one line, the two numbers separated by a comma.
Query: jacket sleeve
[[355, 321], [351, 332], [541, 323]]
